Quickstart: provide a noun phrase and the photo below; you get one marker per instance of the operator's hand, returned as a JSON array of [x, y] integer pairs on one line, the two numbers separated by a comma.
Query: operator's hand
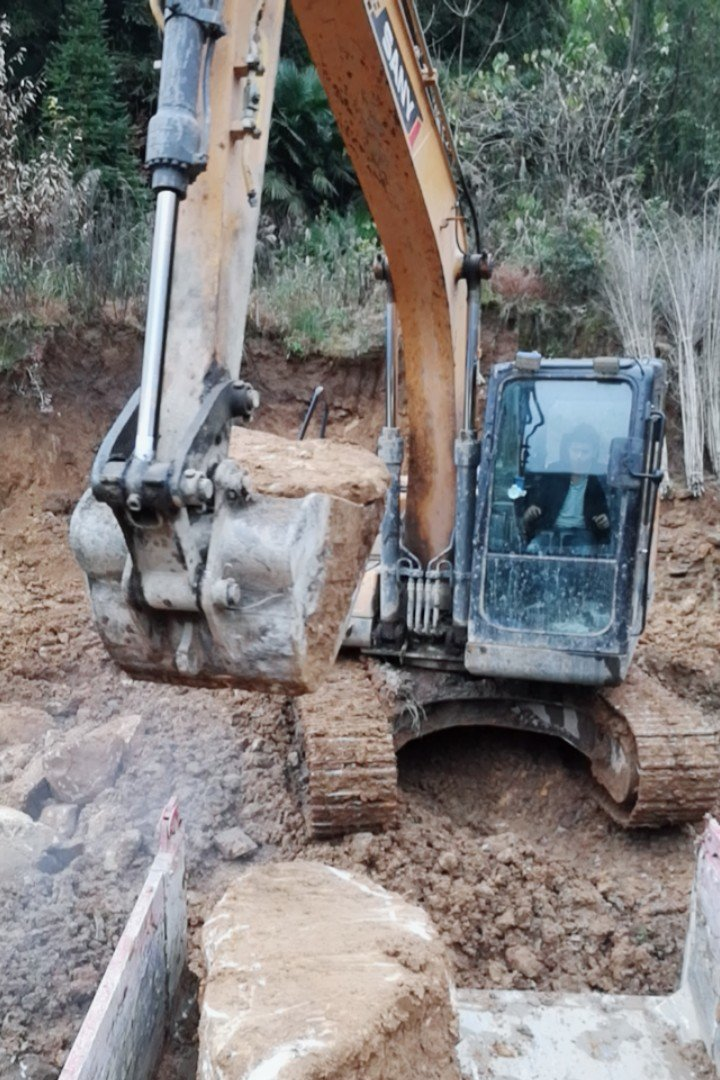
[[531, 514], [602, 521]]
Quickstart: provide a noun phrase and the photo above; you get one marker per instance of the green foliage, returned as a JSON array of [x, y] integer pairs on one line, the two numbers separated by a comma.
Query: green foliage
[[35, 181], [571, 255], [35, 24], [84, 95], [307, 164], [135, 44], [467, 34], [672, 47], [317, 292], [292, 46]]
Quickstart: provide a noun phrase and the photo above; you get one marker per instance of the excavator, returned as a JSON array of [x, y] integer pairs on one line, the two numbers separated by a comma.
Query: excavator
[[217, 557]]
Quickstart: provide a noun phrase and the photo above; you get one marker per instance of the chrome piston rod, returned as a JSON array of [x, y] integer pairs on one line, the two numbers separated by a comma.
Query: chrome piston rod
[[156, 323]]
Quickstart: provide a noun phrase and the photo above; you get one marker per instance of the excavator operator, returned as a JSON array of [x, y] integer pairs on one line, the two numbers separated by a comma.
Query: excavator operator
[[567, 506]]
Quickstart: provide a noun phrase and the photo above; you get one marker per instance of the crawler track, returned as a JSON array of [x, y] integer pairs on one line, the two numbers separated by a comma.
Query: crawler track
[[675, 750], [351, 773], [655, 757]]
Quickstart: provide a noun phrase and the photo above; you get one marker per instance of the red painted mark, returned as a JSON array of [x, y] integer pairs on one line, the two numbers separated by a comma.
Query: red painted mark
[[414, 132], [170, 822]]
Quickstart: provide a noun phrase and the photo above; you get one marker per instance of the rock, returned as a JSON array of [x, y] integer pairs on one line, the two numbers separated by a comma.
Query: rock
[[83, 765], [522, 959], [101, 822], [506, 920], [59, 503], [22, 841], [361, 848], [21, 724], [61, 818], [62, 710], [687, 605], [234, 843], [33, 1067], [449, 862], [13, 759], [122, 851], [498, 974], [84, 982], [317, 973], [131, 728], [30, 790], [279, 466], [58, 857], [551, 931]]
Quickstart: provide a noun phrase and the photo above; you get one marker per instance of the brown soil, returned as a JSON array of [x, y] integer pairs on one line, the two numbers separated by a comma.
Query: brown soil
[[498, 836]]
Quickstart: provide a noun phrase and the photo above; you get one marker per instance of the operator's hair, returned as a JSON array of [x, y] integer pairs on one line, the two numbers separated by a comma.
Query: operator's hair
[[583, 433]]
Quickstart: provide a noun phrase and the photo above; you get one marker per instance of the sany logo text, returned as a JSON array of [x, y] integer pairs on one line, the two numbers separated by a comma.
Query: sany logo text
[[398, 77], [399, 74]]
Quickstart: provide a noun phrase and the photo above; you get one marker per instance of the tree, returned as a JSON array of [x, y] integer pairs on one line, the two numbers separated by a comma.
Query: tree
[[468, 33], [307, 164], [85, 99]]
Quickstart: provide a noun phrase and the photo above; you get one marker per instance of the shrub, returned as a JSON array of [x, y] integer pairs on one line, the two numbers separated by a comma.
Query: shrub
[[35, 188], [317, 292], [84, 94]]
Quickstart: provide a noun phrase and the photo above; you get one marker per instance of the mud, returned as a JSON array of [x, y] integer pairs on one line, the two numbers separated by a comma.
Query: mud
[[497, 836]]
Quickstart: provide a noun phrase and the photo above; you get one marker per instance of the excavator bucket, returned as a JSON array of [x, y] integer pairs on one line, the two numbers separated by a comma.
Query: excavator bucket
[[291, 529]]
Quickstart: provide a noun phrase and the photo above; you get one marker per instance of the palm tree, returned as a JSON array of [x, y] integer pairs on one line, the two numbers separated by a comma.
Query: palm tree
[[307, 165]]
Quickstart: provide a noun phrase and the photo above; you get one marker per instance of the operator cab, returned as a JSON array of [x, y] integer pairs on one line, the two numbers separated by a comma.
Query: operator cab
[[567, 492]]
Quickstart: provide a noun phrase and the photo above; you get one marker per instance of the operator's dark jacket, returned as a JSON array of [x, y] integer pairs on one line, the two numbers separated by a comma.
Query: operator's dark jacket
[[548, 491]]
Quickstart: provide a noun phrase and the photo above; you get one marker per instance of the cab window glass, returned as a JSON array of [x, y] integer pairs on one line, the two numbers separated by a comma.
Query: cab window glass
[[553, 524]]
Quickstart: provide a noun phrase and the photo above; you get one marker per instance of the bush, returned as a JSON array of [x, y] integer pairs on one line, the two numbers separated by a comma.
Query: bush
[[66, 247], [317, 292], [36, 187], [84, 95]]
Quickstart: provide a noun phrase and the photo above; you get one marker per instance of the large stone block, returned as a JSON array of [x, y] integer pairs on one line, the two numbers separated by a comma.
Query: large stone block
[[22, 841], [82, 766], [316, 973]]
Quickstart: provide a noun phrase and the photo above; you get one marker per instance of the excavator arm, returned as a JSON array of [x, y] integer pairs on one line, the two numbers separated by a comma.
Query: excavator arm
[[383, 93], [194, 572]]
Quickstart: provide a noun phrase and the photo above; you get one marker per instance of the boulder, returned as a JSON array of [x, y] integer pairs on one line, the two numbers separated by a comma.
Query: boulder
[[234, 843], [83, 765], [316, 973], [292, 469], [61, 819]]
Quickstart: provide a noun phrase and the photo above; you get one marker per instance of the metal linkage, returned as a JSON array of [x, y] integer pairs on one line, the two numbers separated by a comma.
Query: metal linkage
[[176, 154], [467, 449], [177, 134], [154, 346], [391, 450], [427, 594]]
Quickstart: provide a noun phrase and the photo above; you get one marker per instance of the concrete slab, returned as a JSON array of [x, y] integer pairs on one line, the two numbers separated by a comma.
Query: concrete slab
[[520, 1035]]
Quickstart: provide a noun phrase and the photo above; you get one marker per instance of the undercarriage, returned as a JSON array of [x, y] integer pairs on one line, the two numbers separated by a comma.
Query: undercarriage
[[653, 756]]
